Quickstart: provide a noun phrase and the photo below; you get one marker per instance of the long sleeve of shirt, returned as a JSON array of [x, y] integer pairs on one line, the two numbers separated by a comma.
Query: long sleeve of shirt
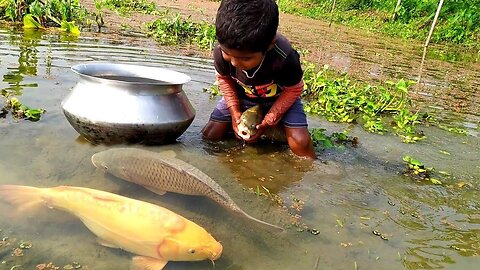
[[283, 103], [228, 90]]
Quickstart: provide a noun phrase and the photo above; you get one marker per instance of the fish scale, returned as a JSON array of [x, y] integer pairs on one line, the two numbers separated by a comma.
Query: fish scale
[[161, 172]]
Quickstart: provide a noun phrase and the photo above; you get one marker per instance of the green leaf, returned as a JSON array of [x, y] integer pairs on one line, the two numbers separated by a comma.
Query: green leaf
[[29, 22], [70, 28], [34, 114], [435, 181], [15, 103]]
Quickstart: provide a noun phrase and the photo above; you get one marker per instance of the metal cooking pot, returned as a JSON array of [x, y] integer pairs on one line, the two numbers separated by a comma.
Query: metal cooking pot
[[120, 103]]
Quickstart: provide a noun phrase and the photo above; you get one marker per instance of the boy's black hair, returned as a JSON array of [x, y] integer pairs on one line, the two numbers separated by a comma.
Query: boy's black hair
[[249, 25]]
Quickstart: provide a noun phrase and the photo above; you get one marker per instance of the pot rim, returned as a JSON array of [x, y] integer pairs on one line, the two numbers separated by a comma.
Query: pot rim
[[161, 76]]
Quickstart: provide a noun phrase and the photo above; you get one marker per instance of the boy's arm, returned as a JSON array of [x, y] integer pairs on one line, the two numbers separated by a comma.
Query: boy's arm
[[286, 99], [229, 92]]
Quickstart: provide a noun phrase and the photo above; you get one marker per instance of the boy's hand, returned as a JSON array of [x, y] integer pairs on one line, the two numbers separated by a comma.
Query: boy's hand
[[260, 130], [235, 121]]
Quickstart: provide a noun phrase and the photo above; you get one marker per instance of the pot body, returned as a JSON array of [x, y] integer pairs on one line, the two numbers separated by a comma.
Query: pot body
[[118, 103]]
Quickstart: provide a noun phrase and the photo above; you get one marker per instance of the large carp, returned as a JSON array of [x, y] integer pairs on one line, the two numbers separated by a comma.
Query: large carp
[[157, 234], [161, 172]]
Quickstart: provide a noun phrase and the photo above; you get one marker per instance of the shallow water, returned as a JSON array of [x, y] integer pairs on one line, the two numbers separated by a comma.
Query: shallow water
[[345, 195]]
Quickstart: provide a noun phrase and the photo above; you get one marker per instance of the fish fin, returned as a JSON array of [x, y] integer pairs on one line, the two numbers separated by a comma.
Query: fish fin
[[155, 190], [168, 153], [147, 263], [105, 243], [23, 197]]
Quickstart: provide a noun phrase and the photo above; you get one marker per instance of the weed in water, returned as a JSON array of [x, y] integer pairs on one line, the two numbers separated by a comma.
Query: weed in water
[[418, 171], [337, 139], [21, 111]]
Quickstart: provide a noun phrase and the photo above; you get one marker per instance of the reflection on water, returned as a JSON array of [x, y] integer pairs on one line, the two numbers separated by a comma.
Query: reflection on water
[[347, 195], [27, 64]]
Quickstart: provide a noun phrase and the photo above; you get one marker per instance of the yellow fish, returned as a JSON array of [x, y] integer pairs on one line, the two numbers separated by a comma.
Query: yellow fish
[[156, 234]]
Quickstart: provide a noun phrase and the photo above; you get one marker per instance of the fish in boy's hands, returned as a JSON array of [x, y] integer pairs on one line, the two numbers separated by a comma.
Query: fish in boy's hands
[[247, 128], [249, 121]]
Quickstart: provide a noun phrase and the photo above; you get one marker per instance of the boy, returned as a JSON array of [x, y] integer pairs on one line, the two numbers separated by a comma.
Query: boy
[[255, 65]]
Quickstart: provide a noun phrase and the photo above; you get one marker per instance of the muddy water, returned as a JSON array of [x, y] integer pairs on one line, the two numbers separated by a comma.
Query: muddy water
[[345, 196]]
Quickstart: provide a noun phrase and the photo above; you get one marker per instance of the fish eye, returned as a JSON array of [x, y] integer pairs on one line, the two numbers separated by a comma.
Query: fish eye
[[191, 251], [105, 167]]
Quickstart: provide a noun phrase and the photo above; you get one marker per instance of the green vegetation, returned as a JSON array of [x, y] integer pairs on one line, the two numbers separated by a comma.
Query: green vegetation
[[169, 29], [458, 21], [417, 170], [20, 111], [127, 7], [39, 14], [337, 139], [341, 99], [174, 30]]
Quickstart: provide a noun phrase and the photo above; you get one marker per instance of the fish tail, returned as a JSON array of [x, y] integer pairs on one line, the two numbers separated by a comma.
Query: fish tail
[[258, 221], [23, 197]]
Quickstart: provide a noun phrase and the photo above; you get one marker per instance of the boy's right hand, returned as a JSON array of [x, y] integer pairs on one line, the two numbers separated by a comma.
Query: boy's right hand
[[236, 114]]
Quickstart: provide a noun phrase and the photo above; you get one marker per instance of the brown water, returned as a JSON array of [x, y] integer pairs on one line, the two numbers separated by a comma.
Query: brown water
[[345, 195]]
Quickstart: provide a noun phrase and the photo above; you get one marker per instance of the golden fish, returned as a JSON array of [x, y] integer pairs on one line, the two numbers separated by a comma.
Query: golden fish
[[161, 172], [157, 234]]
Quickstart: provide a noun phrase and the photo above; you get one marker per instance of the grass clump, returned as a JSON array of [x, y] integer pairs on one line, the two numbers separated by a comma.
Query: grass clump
[[175, 30], [127, 7]]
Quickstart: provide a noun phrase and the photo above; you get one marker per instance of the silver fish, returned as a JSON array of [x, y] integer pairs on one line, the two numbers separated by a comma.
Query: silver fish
[[162, 172]]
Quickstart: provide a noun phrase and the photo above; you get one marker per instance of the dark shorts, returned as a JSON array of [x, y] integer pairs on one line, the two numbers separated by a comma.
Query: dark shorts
[[295, 116]]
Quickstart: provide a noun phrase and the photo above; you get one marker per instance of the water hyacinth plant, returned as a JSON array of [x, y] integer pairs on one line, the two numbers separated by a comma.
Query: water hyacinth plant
[[341, 99]]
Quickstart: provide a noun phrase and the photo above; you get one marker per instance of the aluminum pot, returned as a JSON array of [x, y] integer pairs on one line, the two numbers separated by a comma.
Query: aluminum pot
[[120, 103]]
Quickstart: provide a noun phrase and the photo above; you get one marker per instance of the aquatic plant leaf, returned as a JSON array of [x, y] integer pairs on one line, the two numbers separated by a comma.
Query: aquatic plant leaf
[[33, 114], [30, 22], [15, 103], [435, 181], [412, 161], [70, 27]]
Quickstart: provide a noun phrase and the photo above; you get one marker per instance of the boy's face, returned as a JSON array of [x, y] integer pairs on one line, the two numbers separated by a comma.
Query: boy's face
[[244, 60]]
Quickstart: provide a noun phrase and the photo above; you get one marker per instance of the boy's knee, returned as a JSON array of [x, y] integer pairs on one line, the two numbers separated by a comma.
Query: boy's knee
[[214, 131], [299, 138]]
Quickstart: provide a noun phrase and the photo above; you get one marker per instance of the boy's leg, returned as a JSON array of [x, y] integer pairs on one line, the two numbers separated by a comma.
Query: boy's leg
[[215, 131], [219, 123], [300, 142], [296, 129]]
